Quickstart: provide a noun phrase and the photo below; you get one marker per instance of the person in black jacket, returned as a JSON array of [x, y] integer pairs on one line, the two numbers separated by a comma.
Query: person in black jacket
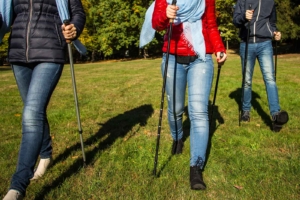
[[262, 18], [37, 48]]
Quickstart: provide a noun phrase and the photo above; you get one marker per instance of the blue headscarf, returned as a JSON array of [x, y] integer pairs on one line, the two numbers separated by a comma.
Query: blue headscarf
[[189, 13], [63, 10]]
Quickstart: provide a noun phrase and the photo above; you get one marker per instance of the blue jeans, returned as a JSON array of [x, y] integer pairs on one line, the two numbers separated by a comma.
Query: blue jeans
[[36, 83], [263, 51], [197, 76]]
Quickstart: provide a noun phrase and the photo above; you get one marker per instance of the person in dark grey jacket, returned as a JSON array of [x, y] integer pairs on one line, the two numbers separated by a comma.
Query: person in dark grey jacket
[[37, 49], [261, 14]]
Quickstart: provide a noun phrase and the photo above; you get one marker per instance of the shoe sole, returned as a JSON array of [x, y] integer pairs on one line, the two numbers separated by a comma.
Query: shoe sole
[[243, 120], [198, 187]]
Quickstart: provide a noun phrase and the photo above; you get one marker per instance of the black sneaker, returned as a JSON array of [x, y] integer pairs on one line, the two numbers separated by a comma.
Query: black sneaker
[[177, 147], [245, 116], [196, 179], [279, 119]]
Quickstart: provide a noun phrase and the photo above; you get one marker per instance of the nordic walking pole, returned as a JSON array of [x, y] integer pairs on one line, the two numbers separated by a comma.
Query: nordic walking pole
[[244, 68], [215, 94], [163, 94], [67, 22]]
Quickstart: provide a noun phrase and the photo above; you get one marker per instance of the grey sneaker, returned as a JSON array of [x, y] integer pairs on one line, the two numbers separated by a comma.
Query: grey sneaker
[[245, 116], [13, 195], [42, 167], [279, 119]]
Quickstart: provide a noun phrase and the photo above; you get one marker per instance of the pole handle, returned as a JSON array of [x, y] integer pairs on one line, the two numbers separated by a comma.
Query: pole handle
[[221, 56], [173, 3], [66, 23], [249, 8]]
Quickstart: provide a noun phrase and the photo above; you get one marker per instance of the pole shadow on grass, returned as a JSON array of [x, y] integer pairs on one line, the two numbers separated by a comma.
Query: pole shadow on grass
[[237, 95], [217, 120], [116, 127], [186, 132]]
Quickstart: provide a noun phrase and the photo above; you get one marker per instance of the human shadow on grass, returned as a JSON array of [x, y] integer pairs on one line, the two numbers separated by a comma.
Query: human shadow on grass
[[186, 132], [237, 95], [116, 127]]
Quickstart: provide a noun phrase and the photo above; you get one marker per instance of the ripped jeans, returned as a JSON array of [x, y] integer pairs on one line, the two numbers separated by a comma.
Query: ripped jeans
[[263, 52], [197, 76]]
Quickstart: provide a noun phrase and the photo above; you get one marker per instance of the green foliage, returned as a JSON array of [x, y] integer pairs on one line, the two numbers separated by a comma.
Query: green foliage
[[115, 24], [224, 13], [288, 18], [4, 47]]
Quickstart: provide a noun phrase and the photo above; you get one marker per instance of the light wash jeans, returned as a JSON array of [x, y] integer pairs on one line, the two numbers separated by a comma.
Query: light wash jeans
[[263, 51], [197, 76], [36, 83]]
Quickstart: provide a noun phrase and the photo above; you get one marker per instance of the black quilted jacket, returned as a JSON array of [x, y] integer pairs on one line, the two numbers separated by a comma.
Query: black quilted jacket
[[263, 23], [36, 34]]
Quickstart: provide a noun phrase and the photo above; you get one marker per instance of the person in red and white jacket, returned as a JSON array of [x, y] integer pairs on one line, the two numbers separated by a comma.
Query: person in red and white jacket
[[195, 37]]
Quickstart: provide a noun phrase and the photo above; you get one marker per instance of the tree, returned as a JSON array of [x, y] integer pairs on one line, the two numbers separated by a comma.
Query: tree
[[4, 49], [116, 24], [224, 14], [288, 18]]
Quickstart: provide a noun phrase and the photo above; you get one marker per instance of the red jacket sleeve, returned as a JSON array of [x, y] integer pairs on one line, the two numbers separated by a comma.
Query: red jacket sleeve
[[159, 18], [210, 28]]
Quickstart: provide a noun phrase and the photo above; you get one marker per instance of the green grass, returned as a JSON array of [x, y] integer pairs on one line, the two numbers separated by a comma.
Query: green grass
[[119, 107]]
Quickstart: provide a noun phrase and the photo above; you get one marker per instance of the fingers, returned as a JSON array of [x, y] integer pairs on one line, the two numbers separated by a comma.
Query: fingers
[[69, 31], [277, 35], [249, 14], [171, 11], [222, 60]]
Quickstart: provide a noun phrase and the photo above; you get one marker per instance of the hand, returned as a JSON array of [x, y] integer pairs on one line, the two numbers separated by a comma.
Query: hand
[[220, 60], [249, 14], [277, 35], [171, 11], [69, 31]]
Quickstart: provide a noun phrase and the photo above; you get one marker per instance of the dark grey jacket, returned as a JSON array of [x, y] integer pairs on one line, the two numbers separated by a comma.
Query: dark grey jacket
[[36, 34], [263, 23]]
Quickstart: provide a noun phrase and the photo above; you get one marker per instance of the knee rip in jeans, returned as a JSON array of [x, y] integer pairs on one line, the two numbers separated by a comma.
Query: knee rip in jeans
[[199, 162], [168, 97]]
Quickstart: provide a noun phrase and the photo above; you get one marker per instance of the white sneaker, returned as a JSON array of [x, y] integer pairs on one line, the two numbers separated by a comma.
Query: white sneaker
[[13, 195], [42, 167]]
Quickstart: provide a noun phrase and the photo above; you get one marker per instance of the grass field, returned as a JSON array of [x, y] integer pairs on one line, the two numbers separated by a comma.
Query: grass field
[[119, 106]]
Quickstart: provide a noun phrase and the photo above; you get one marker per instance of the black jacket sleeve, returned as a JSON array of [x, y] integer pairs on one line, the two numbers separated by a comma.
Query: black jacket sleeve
[[0, 20], [77, 15], [239, 18], [273, 19]]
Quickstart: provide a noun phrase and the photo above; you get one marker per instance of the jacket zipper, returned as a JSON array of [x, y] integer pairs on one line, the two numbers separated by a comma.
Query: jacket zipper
[[28, 30], [254, 26], [269, 29]]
